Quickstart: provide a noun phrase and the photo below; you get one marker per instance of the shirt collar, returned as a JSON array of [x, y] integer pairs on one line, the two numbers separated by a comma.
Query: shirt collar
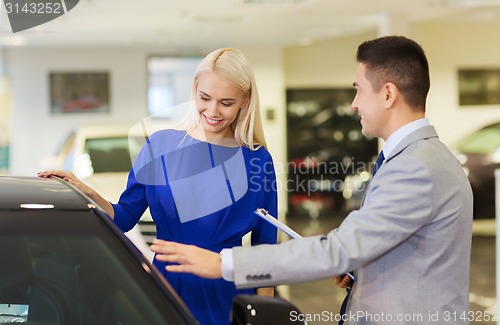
[[401, 133]]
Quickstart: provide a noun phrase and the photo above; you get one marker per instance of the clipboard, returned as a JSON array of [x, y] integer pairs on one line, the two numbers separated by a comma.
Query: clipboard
[[287, 230], [278, 224]]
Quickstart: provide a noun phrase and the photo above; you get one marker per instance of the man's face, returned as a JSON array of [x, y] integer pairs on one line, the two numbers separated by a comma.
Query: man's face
[[369, 104]]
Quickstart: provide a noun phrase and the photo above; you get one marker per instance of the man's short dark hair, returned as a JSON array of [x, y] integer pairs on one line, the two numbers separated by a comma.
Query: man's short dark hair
[[399, 60]]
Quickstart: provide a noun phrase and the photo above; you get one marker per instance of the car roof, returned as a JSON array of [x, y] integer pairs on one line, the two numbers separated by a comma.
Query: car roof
[[104, 129], [142, 128], [19, 193], [492, 125]]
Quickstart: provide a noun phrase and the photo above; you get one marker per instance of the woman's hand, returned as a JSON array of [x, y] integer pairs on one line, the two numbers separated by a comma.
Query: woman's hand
[[68, 177], [84, 188], [189, 259]]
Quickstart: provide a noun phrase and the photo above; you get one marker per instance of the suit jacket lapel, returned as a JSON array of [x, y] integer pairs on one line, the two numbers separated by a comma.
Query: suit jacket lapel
[[420, 134]]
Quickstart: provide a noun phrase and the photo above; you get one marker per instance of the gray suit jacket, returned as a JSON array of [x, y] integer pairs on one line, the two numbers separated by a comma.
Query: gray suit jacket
[[409, 244]]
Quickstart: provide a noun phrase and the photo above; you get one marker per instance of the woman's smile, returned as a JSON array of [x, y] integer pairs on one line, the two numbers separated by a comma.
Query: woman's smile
[[212, 121]]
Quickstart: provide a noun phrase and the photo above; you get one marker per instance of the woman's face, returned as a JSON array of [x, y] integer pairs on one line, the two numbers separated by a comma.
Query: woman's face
[[218, 104]]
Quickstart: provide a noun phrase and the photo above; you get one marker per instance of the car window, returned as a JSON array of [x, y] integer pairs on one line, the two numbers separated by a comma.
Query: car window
[[109, 154], [76, 272], [483, 141]]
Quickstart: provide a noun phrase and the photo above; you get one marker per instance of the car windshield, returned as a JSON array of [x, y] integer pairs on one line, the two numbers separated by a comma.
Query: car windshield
[[59, 272], [483, 141], [109, 154]]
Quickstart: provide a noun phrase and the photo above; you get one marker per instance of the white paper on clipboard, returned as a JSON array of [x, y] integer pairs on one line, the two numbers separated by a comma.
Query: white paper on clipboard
[[281, 226], [278, 224]]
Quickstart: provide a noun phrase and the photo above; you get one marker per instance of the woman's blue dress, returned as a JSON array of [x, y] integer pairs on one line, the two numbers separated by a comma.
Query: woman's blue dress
[[201, 194]]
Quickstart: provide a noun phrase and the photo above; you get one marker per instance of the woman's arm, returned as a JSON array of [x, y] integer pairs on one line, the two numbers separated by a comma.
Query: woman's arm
[[84, 188]]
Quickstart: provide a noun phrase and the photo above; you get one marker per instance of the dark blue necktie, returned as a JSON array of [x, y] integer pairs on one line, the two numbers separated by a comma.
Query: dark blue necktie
[[343, 308], [378, 163]]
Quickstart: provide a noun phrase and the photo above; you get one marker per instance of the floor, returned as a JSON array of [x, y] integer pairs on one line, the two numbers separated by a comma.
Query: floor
[[322, 299]]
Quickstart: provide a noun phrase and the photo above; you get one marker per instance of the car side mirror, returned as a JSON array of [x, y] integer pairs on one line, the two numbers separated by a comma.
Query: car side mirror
[[259, 310]]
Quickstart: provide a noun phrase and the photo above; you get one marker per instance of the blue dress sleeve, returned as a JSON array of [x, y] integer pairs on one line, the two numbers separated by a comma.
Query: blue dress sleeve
[[264, 232], [145, 169], [131, 205]]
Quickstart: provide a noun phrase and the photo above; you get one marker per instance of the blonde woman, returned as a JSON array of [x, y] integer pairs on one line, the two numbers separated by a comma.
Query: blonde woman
[[203, 180]]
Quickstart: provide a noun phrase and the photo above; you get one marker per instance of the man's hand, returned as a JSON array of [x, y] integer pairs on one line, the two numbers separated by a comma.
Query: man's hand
[[190, 259], [265, 292], [343, 281]]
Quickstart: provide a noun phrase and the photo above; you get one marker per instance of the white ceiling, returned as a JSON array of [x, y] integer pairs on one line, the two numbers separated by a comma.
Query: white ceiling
[[193, 25]]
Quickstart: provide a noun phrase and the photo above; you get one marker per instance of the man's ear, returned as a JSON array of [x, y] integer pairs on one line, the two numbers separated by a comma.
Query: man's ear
[[391, 93]]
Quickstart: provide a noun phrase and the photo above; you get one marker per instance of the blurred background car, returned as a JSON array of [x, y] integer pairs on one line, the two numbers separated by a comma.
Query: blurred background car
[[354, 189], [479, 154], [63, 261], [325, 145], [101, 156]]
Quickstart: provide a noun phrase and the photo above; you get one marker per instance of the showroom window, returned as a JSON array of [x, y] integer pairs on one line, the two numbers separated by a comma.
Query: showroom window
[[169, 84]]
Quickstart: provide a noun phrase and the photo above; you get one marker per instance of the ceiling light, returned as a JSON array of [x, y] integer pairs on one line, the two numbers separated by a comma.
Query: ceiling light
[[14, 41]]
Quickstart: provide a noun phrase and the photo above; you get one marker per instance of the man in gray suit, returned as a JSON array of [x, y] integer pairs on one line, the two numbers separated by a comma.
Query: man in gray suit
[[409, 243]]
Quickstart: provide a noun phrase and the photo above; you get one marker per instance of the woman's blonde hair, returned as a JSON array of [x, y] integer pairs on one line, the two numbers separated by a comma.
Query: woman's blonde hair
[[232, 66]]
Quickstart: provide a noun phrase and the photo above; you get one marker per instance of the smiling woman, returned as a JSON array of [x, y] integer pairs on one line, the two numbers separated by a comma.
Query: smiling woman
[[195, 179]]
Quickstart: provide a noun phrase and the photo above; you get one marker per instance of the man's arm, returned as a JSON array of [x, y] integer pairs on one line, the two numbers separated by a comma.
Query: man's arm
[[205, 263], [363, 236]]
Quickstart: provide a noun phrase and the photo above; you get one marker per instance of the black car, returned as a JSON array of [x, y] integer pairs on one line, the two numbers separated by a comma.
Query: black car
[[479, 154], [64, 262]]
